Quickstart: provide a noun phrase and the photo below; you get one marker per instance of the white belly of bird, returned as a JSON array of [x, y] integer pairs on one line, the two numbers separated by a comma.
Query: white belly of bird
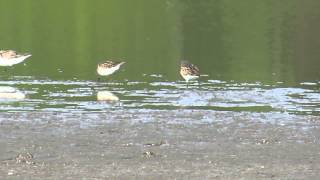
[[107, 71], [190, 77], [12, 61]]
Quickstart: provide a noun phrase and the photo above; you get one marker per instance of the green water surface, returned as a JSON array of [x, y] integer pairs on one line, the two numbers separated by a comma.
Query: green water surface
[[265, 41]]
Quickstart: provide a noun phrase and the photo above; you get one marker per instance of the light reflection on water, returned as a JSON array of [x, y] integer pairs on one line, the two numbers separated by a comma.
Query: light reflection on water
[[82, 96]]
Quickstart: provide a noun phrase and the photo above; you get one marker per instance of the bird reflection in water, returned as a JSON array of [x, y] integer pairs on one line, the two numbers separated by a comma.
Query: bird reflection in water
[[7, 93], [107, 96]]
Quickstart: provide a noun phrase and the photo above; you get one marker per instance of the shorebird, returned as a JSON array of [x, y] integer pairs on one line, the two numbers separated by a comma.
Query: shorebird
[[11, 57], [108, 67], [189, 71]]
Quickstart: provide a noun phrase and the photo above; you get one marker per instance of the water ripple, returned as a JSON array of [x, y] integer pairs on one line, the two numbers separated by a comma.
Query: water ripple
[[82, 96]]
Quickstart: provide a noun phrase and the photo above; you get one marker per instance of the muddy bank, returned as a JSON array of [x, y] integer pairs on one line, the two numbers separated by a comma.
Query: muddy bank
[[139, 145]]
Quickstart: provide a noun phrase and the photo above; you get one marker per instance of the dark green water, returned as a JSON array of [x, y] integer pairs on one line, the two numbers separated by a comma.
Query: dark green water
[[264, 41], [259, 55]]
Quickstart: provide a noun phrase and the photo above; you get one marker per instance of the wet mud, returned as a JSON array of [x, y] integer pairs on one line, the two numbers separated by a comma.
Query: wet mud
[[121, 145]]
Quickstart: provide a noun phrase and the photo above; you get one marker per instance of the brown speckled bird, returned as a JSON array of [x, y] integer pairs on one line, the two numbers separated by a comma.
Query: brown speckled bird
[[189, 71], [108, 67], [11, 57]]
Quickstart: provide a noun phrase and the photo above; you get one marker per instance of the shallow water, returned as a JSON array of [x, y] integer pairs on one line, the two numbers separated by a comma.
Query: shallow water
[[263, 61], [158, 94]]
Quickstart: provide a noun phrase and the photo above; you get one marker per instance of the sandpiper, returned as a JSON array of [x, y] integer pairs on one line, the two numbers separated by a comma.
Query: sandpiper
[[108, 67], [11, 57], [189, 71]]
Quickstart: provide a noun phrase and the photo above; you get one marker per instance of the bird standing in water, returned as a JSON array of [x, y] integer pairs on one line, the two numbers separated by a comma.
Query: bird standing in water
[[11, 57], [189, 71], [108, 67]]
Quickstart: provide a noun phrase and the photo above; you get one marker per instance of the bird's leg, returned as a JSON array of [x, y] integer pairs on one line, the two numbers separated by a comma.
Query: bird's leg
[[92, 89], [98, 79]]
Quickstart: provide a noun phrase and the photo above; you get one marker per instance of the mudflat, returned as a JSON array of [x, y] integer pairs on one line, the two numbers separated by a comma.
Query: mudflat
[[159, 144]]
